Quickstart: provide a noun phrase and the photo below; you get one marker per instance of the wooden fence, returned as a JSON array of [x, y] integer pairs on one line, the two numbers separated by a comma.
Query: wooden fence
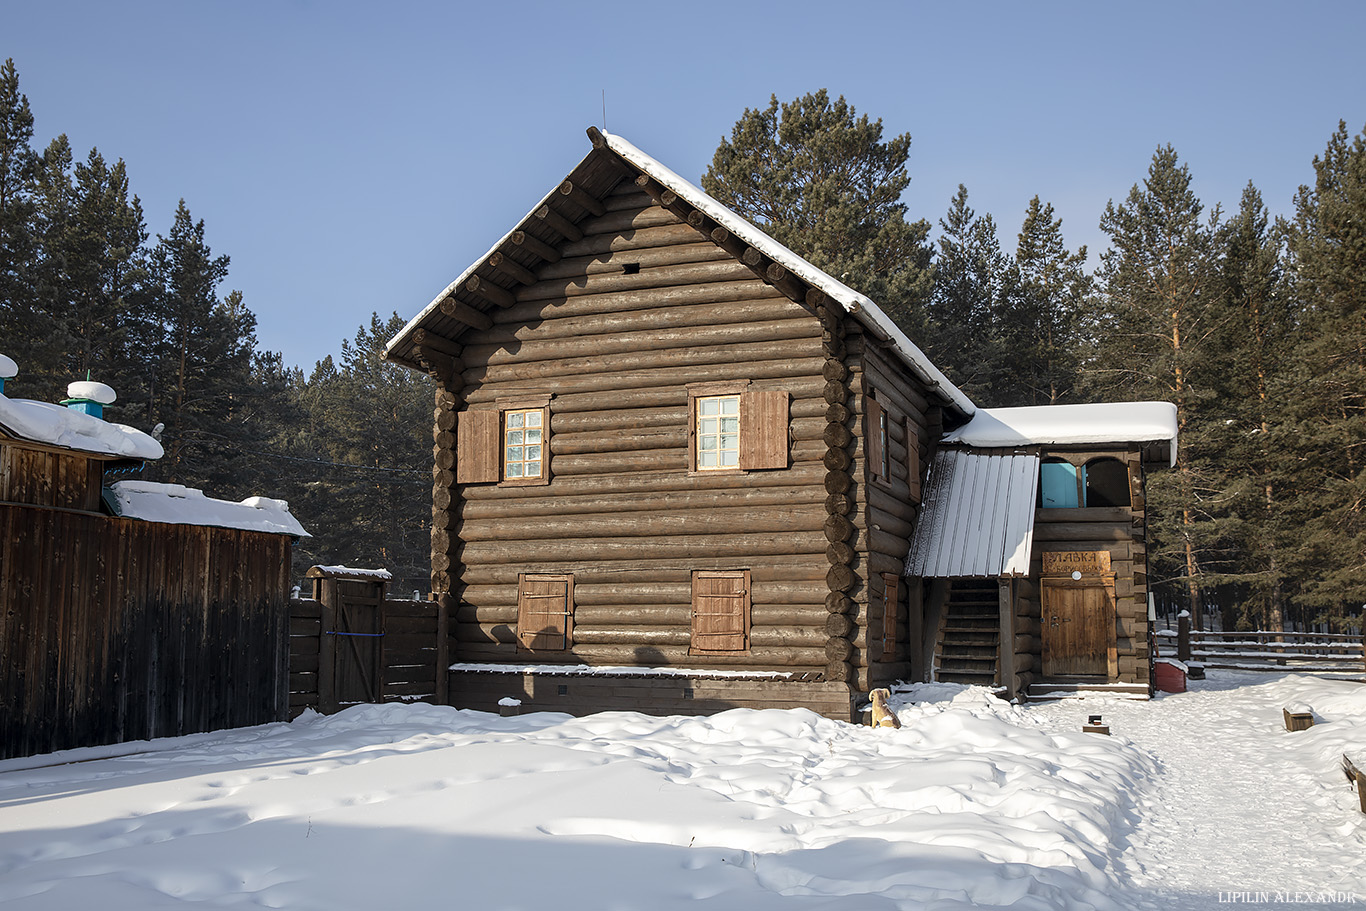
[[115, 629], [1266, 650], [350, 645]]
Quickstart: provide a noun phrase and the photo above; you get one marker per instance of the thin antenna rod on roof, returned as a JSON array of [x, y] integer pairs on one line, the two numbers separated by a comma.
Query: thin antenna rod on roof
[[604, 110]]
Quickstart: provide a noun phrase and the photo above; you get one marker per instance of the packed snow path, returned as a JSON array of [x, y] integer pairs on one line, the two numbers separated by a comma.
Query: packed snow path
[[1196, 799], [1242, 810]]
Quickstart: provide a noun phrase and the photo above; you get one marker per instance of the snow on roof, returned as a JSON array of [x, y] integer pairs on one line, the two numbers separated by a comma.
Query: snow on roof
[[95, 392], [1109, 422], [56, 425], [8, 369], [859, 306], [177, 505], [379, 575]]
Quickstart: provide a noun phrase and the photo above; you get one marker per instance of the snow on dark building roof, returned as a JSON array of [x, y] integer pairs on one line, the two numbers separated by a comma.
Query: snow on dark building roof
[[56, 425], [1071, 425], [177, 505]]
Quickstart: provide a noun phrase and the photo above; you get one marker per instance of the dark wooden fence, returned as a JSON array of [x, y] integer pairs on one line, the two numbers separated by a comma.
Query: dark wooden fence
[[114, 629], [349, 645], [1267, 650]]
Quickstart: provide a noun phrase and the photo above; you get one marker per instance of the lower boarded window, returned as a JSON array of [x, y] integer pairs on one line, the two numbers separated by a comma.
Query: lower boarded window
[[720, 611], [545, 611], [891, 609]]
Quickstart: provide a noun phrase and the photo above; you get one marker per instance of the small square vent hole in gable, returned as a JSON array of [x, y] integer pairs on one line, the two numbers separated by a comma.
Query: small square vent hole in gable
[[630, 268]]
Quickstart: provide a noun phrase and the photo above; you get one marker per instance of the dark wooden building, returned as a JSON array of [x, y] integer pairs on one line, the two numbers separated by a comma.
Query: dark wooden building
[[134, 610], [677, 467]]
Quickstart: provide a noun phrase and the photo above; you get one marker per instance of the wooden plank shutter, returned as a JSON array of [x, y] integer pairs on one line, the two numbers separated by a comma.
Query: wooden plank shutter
[[763, 429], [874, 437], [720, 611], [913, 461], [477, 449], [891, 607], [545, 611]]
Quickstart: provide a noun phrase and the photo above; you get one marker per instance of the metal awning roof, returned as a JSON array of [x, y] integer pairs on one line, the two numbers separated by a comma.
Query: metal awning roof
[[978, 515]]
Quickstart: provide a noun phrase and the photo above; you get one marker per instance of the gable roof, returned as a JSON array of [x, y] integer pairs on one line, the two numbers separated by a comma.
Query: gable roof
[[428, 343]]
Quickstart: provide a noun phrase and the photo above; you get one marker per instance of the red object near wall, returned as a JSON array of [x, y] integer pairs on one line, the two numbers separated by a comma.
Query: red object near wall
[[1169, 675]]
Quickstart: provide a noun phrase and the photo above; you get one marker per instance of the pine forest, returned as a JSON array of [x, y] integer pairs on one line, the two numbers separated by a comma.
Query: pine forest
[[1254, 326]]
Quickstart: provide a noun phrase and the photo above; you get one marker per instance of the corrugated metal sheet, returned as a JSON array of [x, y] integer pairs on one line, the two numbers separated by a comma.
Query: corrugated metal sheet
[[978, 515]]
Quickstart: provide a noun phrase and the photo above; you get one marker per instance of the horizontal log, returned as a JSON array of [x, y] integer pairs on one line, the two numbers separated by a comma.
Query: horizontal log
[[799, 475], [738, 352], [627, 195], [702, 498], [756, 658], [623, 401], [560, 310], [630, 342], [425, 338], [665, 459], [772, 568], [535, 246], [647, 258], [632, 382], [653, 525], [664, 277], [1080, 531], [634, 219], [737, 548], [1031, 644], [645, 238]]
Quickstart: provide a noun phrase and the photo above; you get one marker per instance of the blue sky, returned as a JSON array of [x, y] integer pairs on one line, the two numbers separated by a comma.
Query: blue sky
[[355, 157]]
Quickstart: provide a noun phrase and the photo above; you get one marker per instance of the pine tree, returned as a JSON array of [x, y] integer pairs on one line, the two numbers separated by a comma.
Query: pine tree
[[822, 181], [1152, 330], [21, 326], [1042, 331], [970, 294], [203, 349], [1327, 397]]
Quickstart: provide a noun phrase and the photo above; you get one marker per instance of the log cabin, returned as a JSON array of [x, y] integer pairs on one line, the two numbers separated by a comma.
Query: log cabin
[[678, 468], [128, 610]]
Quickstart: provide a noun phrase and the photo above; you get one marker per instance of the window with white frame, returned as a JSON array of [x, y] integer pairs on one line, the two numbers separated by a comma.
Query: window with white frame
[[523, 443], [718, 432]]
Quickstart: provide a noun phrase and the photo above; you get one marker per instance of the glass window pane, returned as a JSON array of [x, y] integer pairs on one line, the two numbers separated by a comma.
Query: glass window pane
[[730, 459], [533, 419], [730, 405], [514, 437], [514, 469], [707, 459], [533, 452], [729, 441], [730, 425], [514, 453], [515, 418], [709, 406], [709, 442], [533, 468], [533, 436]]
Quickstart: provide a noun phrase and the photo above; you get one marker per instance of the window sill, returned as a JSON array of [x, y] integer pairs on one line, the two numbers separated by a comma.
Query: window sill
[[524, 482]]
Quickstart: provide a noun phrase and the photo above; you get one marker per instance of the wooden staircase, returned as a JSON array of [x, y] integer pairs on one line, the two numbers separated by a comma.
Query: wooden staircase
[[970, 634], [1077, 687]]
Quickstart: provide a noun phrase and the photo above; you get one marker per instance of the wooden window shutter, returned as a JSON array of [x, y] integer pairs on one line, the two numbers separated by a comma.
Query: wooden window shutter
[[913, 461], [477, 450], [763, 429], [891, 608], [720, 611], [545, 611], [873, 438]]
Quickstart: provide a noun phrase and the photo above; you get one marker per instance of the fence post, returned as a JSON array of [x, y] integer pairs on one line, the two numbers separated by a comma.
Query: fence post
[[443, 648], [1183, 636]]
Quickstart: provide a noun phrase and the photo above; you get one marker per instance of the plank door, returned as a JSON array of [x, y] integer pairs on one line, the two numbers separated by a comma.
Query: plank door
[[545, 611], [1077, 621], [720, 612], [358, 650]]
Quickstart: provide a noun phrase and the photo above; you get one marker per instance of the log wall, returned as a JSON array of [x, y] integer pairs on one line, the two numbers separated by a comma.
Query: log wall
[[114, 629], [637, 308]]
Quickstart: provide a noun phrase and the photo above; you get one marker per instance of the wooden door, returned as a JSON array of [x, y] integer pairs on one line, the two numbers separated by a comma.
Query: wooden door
[[357, 648], [1078, 619]]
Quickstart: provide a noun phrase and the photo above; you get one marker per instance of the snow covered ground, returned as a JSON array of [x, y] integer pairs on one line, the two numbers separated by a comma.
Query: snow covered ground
[[1197, 799]]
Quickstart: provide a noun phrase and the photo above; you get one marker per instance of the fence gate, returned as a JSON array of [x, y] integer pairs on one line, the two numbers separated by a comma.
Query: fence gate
[[351, 649]]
